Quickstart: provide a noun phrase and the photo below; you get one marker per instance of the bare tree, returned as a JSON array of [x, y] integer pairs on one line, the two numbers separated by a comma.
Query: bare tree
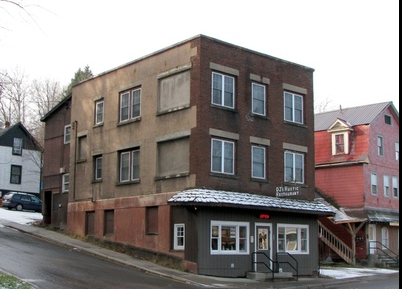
[[13, 96], [44, 95], [12, 8]]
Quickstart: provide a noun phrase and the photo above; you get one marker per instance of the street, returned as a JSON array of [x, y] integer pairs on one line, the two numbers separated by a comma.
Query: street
[[50, 266], [383, 282]]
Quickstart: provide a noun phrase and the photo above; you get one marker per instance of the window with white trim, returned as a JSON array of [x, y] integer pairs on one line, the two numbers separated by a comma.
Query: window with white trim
[[293, 238], [397, 151], [386, 186], [222, 156], [179, 237], [130, 165], [395, 187], [385, 238], [258, 98], [294, 167], [65, 183], [374, 186], [99, 112], [17, 146], [380, 146], [258, 162], [293, 107], [223, 90], [67, 134], [98, 168], [130, 104], [229, 237]]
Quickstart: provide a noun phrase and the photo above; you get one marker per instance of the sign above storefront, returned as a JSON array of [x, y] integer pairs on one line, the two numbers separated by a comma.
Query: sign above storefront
[[287, 191]]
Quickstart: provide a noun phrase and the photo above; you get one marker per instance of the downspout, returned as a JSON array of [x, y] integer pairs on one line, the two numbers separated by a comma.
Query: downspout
[[75, 127]]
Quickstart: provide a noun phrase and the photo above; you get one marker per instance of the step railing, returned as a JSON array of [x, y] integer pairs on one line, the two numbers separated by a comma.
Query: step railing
[[336, 244], [385, 251], [275, 264]]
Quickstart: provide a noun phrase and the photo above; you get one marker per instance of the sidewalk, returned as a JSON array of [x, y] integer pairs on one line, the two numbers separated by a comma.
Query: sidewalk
[[199, 280]]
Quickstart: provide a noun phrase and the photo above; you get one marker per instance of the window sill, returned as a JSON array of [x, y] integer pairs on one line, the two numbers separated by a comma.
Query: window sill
[[179, 175], [170, 110], [127, 183], [221, 175], [137, 119]]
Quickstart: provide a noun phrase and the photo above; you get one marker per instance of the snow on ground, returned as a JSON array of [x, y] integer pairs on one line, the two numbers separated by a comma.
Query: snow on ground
[[344, 273], [20, 217], [29, 217]]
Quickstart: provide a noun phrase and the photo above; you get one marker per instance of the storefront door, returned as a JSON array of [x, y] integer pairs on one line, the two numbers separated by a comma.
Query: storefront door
[[263, 245]]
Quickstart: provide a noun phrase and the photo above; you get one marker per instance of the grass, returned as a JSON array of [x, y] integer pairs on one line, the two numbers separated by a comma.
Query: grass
[[11, 282]]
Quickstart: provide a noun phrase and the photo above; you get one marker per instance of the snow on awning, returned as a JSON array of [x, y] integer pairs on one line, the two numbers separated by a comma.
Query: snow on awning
[[205, 197]]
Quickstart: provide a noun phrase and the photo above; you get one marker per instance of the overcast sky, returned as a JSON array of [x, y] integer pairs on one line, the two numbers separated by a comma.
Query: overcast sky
[[353, 45]]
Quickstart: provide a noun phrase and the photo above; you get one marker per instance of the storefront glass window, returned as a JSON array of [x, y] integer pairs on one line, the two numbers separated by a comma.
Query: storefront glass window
[[229, 238]]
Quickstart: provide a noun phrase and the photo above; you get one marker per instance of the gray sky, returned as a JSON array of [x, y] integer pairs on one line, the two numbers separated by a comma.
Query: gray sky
[[353, 45]]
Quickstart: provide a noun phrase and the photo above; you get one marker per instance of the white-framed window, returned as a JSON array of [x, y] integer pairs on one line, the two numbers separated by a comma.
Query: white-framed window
[[395, 187], [258, 99], [386, 186], [15, 174], [130, 104], [222, 156], [17, 146], [380, 146], [293, 107], [339, 144], [98, 168], [179, 237], [229, 237], [223, 90], [258, 162], [374, 185], [99, 112], [294, 167], [67, 134], [65, 183], [293, 238], [397, 150], [130, 165]]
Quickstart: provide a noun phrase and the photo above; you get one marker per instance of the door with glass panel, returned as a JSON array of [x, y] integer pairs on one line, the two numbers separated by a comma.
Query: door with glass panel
[[263, 245]]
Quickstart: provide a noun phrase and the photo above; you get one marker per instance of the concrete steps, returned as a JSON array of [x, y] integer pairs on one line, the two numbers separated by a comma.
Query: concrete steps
[[262, 277]]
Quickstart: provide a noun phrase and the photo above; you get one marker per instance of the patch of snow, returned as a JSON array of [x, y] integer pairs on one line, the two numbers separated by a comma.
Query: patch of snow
[[20, 217]]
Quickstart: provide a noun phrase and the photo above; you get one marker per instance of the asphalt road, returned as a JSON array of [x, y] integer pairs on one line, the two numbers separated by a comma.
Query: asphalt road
[[51, 266]]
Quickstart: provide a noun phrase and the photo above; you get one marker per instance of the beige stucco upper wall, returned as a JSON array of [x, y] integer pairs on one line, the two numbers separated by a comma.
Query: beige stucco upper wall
[[143, 133]]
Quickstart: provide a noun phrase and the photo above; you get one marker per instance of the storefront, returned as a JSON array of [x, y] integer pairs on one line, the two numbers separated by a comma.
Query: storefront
[[228, 234]]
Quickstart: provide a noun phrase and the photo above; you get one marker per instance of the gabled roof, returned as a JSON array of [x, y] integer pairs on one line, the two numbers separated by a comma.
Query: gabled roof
[[9, 131], [56, 107], [354, 116], [205, 197]]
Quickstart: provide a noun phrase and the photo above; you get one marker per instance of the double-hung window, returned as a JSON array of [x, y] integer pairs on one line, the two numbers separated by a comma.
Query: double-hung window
[[67, 134], [374, 188], [130, 165], [16, 174], [179, 237], [395, 187], [380, 146], [229, 237], [223, 90], [293, 110], [65, 183], [397, 151], [17, 146], [294, 167], [98, 168], [222, 156], [386, 186], [99, 112], [293, 238], [340, 143], [258, 99], [258, 162], [130, 104]]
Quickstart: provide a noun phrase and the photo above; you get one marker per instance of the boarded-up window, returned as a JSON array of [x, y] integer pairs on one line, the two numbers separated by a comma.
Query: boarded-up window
[[174, 91], [109, 222], [173, 157], [152, 220], [82, 147], [90, 223]]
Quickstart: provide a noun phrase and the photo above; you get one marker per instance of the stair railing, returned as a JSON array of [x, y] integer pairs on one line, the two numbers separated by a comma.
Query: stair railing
[[295, 268], [385, 251]]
